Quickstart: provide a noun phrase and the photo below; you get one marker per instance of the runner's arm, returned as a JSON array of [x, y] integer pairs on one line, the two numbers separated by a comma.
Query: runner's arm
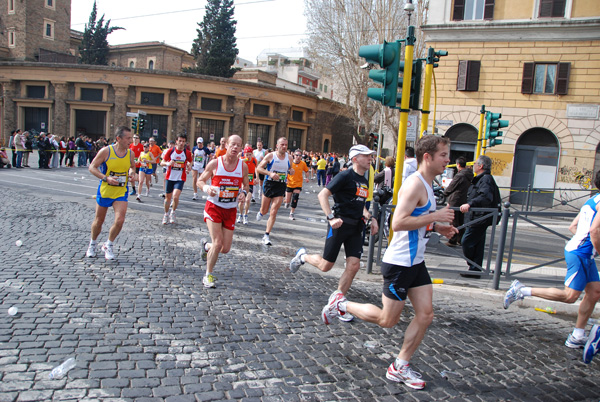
[[595, 230], [573, 225], [262, 166], [206, 176]]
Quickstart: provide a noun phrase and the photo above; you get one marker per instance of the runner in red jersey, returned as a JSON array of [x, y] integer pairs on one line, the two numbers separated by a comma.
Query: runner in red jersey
[[137, 147], [251, 162], [179, 162], [228, 178]]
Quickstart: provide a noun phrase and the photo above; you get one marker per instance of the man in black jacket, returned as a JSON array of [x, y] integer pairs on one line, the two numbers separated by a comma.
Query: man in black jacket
[[482, 194], [457, 195]]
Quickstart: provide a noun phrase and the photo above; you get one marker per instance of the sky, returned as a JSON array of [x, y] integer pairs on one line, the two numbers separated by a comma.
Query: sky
[[261, 24]]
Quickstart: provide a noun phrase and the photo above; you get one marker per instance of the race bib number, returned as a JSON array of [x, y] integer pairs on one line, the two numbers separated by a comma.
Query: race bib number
[[121, 178], [198, 158], [362, 192], [282, 176], [250, 176], [228, 193], [178, 165]]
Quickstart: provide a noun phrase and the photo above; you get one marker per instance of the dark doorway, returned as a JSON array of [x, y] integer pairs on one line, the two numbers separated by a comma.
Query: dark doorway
[[463, 141], [326, 146], [156, 126], [535, 166], [36, 119], [91, 122]]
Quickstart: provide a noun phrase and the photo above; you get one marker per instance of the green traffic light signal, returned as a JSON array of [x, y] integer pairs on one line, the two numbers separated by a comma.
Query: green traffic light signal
[[493, 124], [134, 123], [387, 55]]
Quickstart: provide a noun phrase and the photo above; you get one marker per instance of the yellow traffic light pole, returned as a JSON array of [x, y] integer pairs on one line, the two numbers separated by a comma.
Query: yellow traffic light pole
[[426, 94], [481, 134]]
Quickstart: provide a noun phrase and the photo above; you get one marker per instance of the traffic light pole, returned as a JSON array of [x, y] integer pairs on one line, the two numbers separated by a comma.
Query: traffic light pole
[[404, 110], [481, 134], [427, 91]]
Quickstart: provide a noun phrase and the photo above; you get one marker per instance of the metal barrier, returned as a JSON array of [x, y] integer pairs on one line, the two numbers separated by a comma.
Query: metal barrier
[[566, 196]]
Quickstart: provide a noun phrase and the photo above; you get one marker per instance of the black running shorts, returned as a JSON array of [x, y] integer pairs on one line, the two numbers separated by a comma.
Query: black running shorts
[[274, 189], [398, 279], [348, 235]]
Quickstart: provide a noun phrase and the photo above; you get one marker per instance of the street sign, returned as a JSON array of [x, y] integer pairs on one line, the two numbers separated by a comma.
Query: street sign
[[211, 136], [444, 122], [155, 131], [411, 128], [141, 113], [131, 114], [43, 125]]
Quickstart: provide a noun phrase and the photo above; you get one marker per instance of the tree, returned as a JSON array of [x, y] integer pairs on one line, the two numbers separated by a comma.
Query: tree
[[215, 48], [337, 29], [94, 46]]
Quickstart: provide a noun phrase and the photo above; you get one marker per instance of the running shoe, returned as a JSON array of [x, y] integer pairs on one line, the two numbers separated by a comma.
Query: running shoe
[[133, 192], [165, 219], [209, 281], [195, 197], [203, 252], [258, 216], [266, 240], [91, 251], [513, 294], [172, 217], [286, 205], [162, 195], [239, 218], [346, 317], [592, 345], [296, 262], [406, 375], [138, 198], [575, 343], [108, 252], [245, 220], [331, 310], [146, 193], [292, 217], [253, 200]]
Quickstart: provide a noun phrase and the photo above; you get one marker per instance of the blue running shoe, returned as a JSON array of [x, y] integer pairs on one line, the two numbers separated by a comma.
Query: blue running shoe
[[592, 345]]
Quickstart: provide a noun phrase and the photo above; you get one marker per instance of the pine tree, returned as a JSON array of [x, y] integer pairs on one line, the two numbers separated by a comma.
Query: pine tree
[[94, 46], [215, 48]]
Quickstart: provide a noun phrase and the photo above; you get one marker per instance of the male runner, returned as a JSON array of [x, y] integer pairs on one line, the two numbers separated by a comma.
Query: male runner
[[294, 183], [156, 151], [115, 167], [221, 149], [251, 162], [403, 268], [200, 154], [582, 274], [259, 154], [346, 221], [137, 149], [179, 162], [275, 166], [228, 177]]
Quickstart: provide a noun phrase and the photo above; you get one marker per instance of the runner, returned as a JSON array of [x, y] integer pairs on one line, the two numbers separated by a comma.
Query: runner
[[115, 167], [164, 169], [403, 268], [275, 166], [156, 151], [294, 183], [228, 177], [582, 275], [137, 149], [346, 221], [221, 149], [146, 160], [179, 162], [251, 162], [201, 155], [259, 154]]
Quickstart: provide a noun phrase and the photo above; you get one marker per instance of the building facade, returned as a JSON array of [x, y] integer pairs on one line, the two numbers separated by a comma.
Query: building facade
[[537, 62]]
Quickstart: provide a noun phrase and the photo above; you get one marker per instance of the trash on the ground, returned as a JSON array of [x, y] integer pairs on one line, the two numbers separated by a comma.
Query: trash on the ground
[[13, 311], [548, 310], [437, 281], [322, 220], [60, 371], [370, 344], [75, 178], [19, 243], [82, 177], [311, 219], [446, 373]]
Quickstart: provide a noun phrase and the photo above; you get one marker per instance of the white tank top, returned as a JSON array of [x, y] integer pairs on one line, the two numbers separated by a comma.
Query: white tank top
[[229, 183], [408, 246], [279, 166]]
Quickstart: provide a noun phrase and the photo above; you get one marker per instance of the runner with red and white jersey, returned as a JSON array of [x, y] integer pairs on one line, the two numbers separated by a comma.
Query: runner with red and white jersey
[[136, 148], [252, 163], [178, 161], [228, 178]]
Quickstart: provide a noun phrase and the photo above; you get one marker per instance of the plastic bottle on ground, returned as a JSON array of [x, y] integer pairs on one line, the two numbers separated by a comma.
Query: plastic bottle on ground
[[60, 371]]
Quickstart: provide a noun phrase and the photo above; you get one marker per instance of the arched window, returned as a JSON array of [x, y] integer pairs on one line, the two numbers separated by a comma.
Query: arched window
[[151, 65], [131, 64]]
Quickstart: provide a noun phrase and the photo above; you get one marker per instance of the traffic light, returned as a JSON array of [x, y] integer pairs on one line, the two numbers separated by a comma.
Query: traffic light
[[493, 123], [375, 139], [415, 84], [387, 55], [134, 124], [434, 57], [142, 123]]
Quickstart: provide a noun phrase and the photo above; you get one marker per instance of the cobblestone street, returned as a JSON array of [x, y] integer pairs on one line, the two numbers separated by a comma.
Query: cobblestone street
[[143, 328]]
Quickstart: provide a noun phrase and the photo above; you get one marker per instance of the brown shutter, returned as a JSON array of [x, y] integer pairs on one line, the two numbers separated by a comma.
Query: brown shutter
[[552, 8], [558, 8], [473, 75], [528, 72], [488, 10], [461, 82], [459, 10], [546, 8], [562, 78]]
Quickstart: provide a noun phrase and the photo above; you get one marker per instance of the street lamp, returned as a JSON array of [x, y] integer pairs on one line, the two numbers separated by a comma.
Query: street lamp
[[409, 7]]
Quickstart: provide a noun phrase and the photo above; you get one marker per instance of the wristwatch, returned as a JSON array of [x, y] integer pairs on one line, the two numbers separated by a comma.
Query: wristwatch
[[105, 179], [330, 216]]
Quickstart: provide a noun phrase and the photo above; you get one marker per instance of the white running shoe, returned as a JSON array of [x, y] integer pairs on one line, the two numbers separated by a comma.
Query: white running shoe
[[258, 216], [209, 281], [165, 219], [147, 193], [172, 217], [406, 375], [138, 198], [331, 310], [91, 251], [513, 293], [245, 220], [195, 197], [108, 252], [266, 240], [292, 217], [239, 218], [286, 205], [296, 262]]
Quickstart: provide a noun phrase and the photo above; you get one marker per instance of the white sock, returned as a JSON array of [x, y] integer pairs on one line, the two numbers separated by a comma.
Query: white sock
[[109, 243], [303, 258], [92, 242], [342, 306], [578, 333], [399, 363], [195, 194], [526, 291]]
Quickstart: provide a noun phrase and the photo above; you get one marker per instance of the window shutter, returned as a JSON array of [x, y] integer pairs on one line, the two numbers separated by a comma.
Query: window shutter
[[459, 10], [527, 84], [552, 8], [461, 82], [546, 8], [488, 10], [473, 75], [562, 78]]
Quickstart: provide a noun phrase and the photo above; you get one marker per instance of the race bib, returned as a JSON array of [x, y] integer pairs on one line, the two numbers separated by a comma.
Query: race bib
[[250, 176], [198, 158], [228, 193], [178, 165], [282, 176], [362, 192], [120, 176]]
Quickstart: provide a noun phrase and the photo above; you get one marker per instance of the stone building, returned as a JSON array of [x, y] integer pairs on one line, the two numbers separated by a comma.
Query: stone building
[[538, 63]]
